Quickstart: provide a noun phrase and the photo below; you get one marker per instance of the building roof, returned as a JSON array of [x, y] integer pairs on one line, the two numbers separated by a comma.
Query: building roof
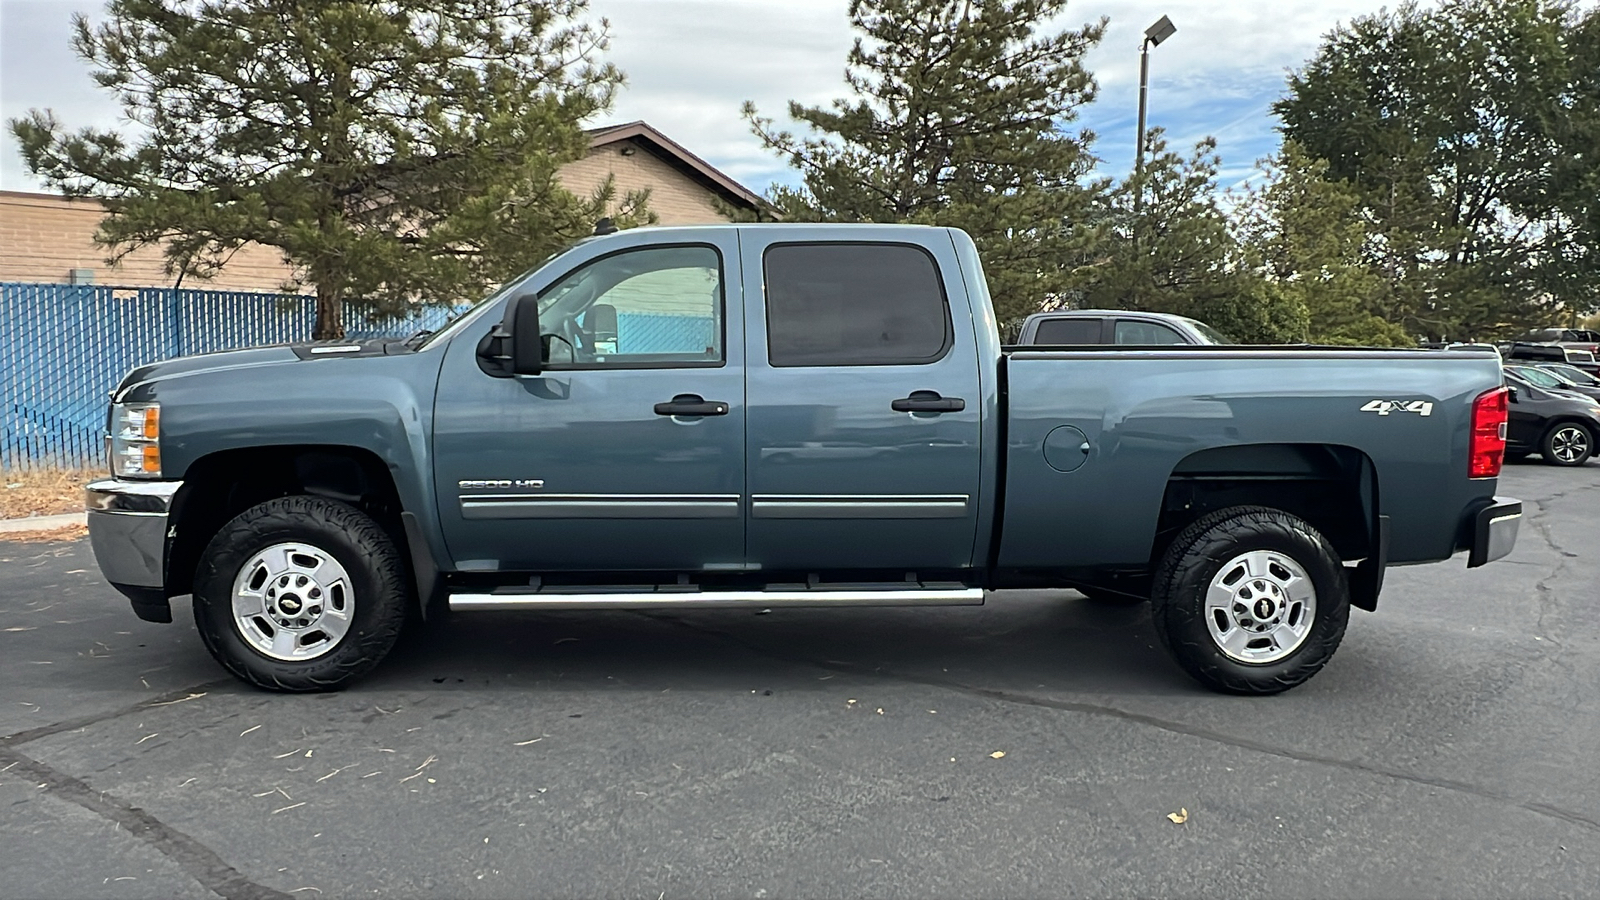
[[679, 157]]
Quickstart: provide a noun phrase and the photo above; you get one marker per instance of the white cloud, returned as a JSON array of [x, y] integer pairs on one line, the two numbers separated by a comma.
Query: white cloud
[[690, 64]]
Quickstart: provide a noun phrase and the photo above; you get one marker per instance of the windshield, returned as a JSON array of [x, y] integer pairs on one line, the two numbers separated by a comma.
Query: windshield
[[1539, 378], [460, 319], [1210, 334]]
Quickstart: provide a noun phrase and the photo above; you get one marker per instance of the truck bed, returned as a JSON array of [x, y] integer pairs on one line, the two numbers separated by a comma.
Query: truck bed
[[1146, 415]]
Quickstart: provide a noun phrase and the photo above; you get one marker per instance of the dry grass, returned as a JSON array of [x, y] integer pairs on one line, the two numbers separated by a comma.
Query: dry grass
[[44, 492]]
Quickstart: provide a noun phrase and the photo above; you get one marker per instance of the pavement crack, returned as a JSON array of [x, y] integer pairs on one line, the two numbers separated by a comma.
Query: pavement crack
[[1172, 727], [199, 861], [43, 731]]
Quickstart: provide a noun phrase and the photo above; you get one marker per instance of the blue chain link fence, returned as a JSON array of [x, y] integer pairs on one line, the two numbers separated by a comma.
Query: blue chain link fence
[[64, 347]]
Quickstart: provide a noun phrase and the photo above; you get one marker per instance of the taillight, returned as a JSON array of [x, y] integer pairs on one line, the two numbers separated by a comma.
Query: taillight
[[1489, 414]]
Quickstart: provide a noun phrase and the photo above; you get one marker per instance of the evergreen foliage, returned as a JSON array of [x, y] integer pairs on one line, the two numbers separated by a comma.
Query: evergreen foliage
[[957, 117], [1466, 134], [394, 152]]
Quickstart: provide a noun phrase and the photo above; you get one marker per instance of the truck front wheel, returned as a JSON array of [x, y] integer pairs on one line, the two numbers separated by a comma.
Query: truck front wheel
[[300, 594], [1250, 600]]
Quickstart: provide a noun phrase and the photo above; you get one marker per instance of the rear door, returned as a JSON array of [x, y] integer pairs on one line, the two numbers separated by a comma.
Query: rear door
[[863, 405]]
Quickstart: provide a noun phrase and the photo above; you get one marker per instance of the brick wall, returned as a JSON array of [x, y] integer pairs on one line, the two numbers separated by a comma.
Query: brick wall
[[674, 197], [43, 236]]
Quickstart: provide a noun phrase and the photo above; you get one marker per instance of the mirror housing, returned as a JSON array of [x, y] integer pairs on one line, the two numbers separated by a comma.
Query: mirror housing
[[527, 348], [513, 346]]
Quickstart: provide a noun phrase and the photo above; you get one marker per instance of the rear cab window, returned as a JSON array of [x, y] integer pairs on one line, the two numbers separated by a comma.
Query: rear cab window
[[1076, 330]]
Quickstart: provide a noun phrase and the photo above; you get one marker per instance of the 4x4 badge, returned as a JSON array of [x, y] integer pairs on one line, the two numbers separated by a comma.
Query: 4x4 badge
[[1384, 407]]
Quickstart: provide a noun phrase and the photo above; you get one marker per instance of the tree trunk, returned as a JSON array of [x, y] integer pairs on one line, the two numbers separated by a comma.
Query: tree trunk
[[330, 315]]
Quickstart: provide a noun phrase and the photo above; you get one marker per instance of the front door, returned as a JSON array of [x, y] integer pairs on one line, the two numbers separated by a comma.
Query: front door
[[864, 407], [627, 452]]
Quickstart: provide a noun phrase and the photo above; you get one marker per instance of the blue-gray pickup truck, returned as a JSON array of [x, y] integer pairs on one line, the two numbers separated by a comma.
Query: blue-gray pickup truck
[[755, 416]]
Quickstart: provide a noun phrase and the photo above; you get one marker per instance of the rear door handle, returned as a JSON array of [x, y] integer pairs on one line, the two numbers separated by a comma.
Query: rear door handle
[[928, 401], [691, 405]]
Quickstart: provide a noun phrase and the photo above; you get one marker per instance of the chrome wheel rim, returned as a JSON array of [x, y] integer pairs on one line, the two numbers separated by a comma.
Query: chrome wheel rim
[[1569, 444], [1260, 607], [293, 602]]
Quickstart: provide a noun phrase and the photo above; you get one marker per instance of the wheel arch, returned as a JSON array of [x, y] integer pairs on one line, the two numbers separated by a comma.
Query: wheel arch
[[225, 483], [1333, 487]]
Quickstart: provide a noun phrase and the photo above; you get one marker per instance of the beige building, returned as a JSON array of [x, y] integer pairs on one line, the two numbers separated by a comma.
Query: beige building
[[47, 238]]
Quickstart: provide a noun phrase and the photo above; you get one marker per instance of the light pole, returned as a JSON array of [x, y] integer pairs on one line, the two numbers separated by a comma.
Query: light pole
[[1153, 36]]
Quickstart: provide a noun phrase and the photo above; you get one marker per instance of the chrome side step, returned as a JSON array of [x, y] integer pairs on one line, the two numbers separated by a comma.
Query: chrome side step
[[961, 596]]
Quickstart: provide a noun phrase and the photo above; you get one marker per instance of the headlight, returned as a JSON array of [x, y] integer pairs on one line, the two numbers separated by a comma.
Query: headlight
[[136, 440]]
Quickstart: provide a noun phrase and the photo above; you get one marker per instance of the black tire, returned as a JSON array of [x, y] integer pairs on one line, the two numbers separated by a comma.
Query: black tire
[[376, 578], [1567, 444], [1101, 597], [1198, 555]]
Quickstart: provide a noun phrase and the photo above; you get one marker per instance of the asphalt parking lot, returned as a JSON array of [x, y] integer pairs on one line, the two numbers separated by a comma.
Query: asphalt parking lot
[[1448, 750]]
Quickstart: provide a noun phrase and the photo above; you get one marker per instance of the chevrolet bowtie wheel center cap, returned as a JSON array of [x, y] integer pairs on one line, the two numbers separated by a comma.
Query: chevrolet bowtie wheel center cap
[[293, 601], [1260, 607]]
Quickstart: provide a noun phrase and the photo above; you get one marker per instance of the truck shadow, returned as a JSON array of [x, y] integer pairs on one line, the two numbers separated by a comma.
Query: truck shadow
[[1018, 640]]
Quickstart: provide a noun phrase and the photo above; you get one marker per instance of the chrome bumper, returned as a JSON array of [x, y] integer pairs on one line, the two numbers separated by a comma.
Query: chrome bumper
[[1494, 531], [128, 531]]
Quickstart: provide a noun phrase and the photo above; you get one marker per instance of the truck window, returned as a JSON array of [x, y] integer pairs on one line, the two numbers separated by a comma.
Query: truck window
[[1068, 331], [655, 306], [854, 305], [1130, 331]]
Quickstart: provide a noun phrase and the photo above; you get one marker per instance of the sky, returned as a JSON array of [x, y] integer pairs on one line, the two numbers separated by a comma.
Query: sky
[[691, 63]]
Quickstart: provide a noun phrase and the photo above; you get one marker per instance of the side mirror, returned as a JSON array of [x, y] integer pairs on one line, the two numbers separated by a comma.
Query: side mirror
[[527, 349], [1511, 394], [514, 347]]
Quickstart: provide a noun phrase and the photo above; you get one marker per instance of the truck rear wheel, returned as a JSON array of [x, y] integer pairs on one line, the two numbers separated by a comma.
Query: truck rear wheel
[[1250, 600], [300, 594]]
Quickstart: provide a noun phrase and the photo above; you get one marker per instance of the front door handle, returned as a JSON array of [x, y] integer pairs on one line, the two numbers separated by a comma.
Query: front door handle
[[928, 401], [691, 405]]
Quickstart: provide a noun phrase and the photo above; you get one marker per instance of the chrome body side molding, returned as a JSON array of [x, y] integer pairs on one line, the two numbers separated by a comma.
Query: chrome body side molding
[[600, 506], [859, 506]]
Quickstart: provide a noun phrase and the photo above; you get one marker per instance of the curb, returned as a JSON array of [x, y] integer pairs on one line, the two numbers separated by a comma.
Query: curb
[[42, 523]]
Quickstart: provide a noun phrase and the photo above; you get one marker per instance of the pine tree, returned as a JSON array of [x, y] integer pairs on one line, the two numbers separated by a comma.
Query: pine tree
[[394, 152], [956, 118], [1165, 245]]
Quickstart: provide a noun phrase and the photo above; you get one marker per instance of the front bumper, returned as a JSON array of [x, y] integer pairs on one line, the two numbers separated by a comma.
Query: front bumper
[[1494, 531], [128, 531]]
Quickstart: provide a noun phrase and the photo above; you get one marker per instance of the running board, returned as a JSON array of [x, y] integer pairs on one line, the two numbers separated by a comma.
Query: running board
[[719, 599]]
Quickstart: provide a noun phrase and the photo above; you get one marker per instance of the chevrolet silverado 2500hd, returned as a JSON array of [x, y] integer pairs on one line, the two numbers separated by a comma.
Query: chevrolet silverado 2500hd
[[785, 415]]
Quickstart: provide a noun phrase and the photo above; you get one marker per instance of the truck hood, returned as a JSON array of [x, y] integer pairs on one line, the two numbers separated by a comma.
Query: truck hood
[[253, 358]]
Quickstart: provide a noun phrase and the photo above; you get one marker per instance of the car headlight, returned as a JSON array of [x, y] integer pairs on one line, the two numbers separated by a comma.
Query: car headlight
[[135, 440]]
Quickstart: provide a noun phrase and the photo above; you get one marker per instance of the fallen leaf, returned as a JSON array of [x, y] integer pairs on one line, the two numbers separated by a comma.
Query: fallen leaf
[[998, 754], [1179, 817], [880, 710], [526, 743]]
